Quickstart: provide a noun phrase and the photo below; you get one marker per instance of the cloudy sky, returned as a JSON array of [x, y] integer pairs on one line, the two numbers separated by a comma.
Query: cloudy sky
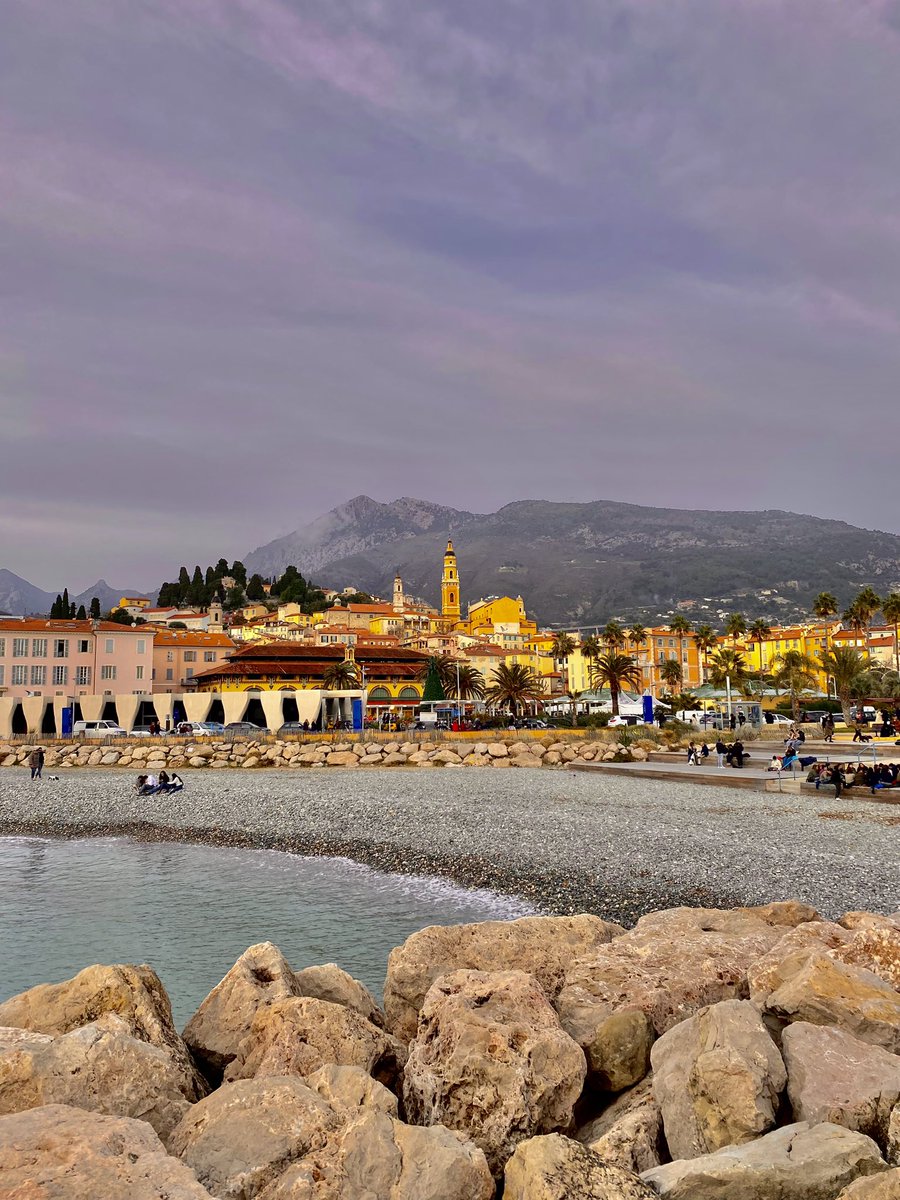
[[259, 256]]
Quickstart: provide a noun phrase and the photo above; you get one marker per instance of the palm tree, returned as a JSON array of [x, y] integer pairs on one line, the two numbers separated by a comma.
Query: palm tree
[[613, 635], [636, 635], [824, 606], [728, 664], [759, 631], [856, 618], [705, 637], [847, 667], [868, 602], [591, 646], [466, 683], [514, 686], [441, 665], [680, 625], [671, 674], [796, 673], [341, 676], [736, 626], [890, 606], [562, 646], [613, 670]]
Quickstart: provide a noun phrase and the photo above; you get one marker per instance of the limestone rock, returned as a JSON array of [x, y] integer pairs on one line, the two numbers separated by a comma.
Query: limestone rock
[[766, 975], [825, 992], [497, 750], [259, 977], [98, 1067], [244, 1135], [885, 1186], [556, 1168], [717, 1077], [342, 758], [58, 1152], [542, 946], [347, 1089], [628, 1134], [893, 1137], [329, 982], [135, 994], [869, 920], [789, 913], [833, 1076], [446, 758], [491, 1060], [394, 760], [876, 949], [797, 1162], [299, 1035], [376, 1157], [666, 968]]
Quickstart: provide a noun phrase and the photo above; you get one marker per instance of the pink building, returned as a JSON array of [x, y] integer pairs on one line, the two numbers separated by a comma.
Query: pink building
[[40, 657]]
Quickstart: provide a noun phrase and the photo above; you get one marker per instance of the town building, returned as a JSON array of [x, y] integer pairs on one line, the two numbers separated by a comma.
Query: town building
[[40, 657], [178, 654]]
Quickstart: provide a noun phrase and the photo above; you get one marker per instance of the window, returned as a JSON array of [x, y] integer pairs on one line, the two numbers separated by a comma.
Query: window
[[170, 656], [38, 647], [82, 676], [19, 676], [209, 656], [2, 673], [2, 647], [139, 673], [84, 646], [38, 676], [61, 648], [110, 645], [60, 675], [169, 673], [108, 672], [142, 646], [189, 672], [20, 647], [190, 656]]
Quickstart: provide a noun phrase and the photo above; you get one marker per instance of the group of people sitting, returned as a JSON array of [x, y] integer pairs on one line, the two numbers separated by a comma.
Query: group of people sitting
[[731, 754], [874, 776], [150, 785]]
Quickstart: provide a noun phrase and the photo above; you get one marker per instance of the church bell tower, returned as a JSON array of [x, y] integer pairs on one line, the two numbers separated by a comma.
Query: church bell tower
[[450, 608]]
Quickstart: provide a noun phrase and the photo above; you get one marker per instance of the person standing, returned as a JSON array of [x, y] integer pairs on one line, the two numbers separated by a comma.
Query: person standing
[[36, 762], [692, 755], [721, 751], [737, 754]]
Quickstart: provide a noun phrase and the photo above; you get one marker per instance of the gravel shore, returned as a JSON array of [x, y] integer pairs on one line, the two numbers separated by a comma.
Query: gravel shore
[[563, 841]]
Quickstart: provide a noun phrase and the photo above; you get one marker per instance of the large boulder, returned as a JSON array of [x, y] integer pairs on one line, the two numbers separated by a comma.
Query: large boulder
[[98, 1067], [135, 994], [618, 998], [244, 1135], [823, 991], [297, 1036], [875, 948], [491, 1060], [885, 1186], [376, 1157], [797, 1162], [542, 946], [329, 982], [348, 1089], [552, 1167], [717, 1078], [58, 1152], [833, 1076], [766, 975], [260, 977], [629, 1133]]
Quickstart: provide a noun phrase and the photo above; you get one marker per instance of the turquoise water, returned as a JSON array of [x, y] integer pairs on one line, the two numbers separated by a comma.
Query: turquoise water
[[189, 911]]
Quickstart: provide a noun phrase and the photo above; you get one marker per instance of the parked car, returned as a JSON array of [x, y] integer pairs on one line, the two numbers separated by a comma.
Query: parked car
[[292, 728], [244, 729], [214, 728], [193, 729], [141, 731], [777, 719], [97, 729]]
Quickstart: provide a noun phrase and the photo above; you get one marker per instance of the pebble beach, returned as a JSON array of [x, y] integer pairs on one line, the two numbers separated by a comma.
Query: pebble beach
[[562, 841]]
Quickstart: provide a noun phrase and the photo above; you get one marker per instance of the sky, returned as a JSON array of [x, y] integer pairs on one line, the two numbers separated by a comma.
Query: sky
[[260, 256]]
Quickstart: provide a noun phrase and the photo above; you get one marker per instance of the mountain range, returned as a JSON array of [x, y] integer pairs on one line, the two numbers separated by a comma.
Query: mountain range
[[18, 596], [580, 563]]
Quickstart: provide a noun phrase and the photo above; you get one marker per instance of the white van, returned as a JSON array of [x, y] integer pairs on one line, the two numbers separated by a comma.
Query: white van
[[97, 729]]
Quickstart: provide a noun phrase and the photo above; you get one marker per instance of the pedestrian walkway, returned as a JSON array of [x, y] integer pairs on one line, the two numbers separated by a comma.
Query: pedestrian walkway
[[753, 778]]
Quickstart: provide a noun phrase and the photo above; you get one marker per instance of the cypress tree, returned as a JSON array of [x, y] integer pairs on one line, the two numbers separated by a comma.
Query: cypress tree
[[95, 608]]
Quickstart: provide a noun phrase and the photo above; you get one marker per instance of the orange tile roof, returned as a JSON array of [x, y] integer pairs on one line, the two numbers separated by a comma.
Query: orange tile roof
[[191, 637], [53, 625]]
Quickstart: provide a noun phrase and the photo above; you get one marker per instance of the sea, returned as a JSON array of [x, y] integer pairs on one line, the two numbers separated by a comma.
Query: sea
[[191, 910]]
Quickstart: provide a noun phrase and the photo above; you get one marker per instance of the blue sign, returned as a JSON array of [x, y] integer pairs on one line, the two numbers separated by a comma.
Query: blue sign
[[647, 701], [68, 717], [357, 714]]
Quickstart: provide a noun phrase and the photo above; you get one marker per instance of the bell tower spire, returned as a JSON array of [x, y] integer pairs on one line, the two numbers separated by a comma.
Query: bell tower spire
[[450, 607]]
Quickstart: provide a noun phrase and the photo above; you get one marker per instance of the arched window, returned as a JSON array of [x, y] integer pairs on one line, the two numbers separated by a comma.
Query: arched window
[[409, 693], [452, 597], [379, 693]]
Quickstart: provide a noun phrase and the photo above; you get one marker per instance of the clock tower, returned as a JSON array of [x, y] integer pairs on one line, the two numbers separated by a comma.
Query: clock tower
[[450, 607]]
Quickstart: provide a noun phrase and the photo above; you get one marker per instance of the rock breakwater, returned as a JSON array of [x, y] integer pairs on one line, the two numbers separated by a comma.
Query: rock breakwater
[[159, 754], [773, 1076]]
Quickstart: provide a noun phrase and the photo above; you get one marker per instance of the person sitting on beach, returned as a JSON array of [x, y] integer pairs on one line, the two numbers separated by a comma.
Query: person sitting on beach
[[775, 764], [790, 759], [692, 755], [163, 783], [704, 753], [140, 784], [150, 785], [174, 783]]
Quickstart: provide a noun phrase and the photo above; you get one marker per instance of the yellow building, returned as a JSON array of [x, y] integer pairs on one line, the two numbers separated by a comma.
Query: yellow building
[[658, 646], [450, 603], [810, 640]]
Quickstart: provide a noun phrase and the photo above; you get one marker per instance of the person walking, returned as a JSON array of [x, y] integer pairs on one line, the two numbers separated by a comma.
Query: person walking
[[721, 751], [36, 762]]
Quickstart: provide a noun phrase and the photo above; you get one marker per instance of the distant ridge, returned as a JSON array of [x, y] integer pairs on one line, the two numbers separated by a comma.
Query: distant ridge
[[580, 562], [19, 597]]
